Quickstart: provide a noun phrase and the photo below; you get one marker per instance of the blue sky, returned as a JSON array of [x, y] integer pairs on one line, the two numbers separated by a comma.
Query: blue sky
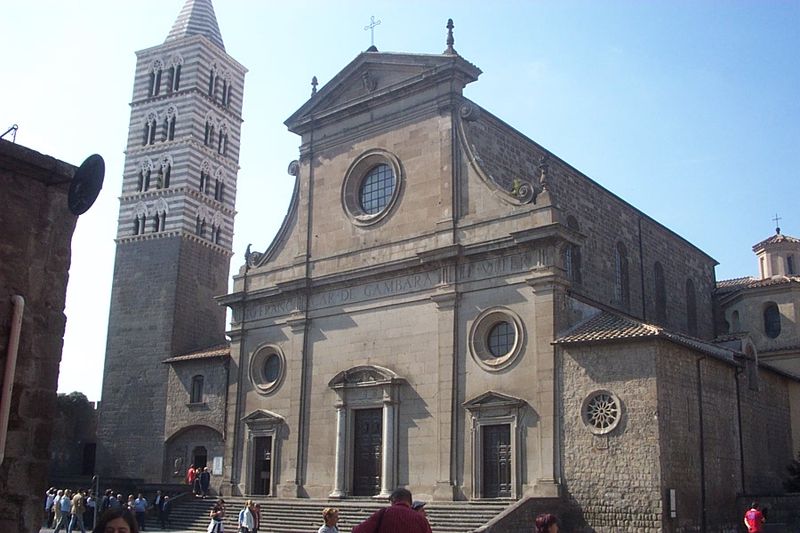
[[687, 110]]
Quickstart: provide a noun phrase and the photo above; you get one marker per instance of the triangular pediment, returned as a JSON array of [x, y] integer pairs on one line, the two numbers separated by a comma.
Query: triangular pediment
[[262, 417], [378, 75], [364, 375], [492, 399]]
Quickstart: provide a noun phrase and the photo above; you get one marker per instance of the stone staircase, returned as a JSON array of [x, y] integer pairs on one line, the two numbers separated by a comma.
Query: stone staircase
[[305, 515]]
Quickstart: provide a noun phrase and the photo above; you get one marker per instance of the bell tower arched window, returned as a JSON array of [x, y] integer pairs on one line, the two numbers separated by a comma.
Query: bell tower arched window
[[212, 80], [150, 129], [155, 77], [175, 73], [169, 124]]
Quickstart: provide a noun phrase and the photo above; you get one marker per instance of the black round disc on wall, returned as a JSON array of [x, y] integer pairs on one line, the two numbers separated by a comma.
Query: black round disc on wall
[[86, 184]]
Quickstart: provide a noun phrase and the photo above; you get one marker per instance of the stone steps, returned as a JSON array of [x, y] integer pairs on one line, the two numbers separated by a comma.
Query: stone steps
[[305, 515]]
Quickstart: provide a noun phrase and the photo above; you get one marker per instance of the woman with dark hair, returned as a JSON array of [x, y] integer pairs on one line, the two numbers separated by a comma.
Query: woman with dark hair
[[116, 520], [546, 523]]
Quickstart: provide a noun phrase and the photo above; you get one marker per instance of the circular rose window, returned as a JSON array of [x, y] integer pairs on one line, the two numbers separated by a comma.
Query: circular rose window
[[371, 187], [267, 368], [601, 412], [496, 338]]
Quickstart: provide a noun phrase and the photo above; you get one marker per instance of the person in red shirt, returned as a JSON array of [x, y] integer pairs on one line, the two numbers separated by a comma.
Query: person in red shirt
[[191, 474], [753, 519], [397, 518]]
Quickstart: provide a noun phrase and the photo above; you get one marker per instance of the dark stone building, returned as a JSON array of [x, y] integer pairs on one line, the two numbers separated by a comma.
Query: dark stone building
[[34, 264]]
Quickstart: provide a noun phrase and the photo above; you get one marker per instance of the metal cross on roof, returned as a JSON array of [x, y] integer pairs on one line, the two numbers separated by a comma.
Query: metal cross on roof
[[371, 28], [777, 220]]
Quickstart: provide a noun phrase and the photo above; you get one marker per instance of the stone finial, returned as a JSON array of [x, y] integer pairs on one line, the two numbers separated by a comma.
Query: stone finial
[[314, 84], [450, 40]]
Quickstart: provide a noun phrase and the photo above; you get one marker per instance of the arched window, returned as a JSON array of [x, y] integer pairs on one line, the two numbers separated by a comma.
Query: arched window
[[175, 73], [200, 229], [790, 266], [136, 226], [660, 290], [572, 254], [197, 390], [208, 138], [212, 80], [155, 77], [772, 320], [169, 124], [205, 175], [222, 143], [735, 322], [166, 171], [150, 129], [219, 186], [145, 173], [691, 308], [621, 287]]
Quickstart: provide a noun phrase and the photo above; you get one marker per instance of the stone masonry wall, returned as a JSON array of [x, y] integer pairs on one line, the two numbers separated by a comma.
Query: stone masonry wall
[[34, 263], [605, 219], [765, 428], [686, 445], [613, 479]]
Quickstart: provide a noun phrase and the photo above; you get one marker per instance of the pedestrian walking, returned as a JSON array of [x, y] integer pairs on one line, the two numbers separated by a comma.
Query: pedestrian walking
[[163, 513], [76, 510], [397, 518], [140, 510], [205, 481], [246, 522], [217, 515]]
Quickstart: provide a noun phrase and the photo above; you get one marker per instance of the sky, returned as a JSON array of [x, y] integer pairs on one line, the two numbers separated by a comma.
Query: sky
[[688, 110]]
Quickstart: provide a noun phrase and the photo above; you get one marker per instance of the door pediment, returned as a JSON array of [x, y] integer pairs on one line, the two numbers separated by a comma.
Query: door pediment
[[263, 419], [493, 400]]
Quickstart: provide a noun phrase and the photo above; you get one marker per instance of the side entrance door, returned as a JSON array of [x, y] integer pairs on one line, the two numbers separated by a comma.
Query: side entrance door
[[497, 461], [262, 465], [367, 441]]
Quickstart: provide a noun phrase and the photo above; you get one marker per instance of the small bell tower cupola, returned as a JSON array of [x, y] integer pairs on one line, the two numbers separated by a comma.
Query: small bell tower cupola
[[779, 255]]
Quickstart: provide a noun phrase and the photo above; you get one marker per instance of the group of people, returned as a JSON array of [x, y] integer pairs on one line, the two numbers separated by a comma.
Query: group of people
[[69, 510], [248, 521], [199, 479]]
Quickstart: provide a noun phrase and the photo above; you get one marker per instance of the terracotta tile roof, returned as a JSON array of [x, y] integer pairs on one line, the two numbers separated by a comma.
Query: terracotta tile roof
[[776, 239], [736, 284], [610, 327], [221, 350]]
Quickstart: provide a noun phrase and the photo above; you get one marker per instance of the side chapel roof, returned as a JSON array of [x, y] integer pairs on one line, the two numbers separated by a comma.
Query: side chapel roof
[[607, 326], [197, 18]]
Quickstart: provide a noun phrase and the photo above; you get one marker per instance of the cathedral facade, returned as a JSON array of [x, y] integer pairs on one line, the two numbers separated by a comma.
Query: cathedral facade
[[447, 306], [450, 307]]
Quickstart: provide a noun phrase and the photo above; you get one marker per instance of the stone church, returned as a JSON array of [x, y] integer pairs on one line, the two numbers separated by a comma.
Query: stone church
[[447, 306]]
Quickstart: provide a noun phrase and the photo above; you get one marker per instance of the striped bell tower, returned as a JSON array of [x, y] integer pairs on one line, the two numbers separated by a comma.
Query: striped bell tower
[[174, 234]]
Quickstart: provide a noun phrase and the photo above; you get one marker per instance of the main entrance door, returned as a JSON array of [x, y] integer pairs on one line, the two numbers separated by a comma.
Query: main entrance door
[[497, 461], [262, 465], [367, 442]]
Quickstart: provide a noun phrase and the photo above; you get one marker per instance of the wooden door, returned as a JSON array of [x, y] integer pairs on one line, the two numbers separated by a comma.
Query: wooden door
[[497, 461], [367, 443]]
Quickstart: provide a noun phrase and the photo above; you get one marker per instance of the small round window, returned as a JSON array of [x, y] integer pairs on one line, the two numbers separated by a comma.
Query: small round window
[[601, 412], [496, 338], [371, 187], [377, 189], [501, 339], [267, 369]]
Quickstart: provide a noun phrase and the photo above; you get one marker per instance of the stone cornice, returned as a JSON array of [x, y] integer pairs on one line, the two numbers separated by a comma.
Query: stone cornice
[[121, 241]]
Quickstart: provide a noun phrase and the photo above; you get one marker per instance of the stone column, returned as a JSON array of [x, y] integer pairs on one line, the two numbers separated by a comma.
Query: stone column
[[341, 444], [387, 451], [447, 408]]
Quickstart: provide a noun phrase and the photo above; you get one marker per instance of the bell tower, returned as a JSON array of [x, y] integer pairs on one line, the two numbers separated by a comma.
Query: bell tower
[[174, 234]]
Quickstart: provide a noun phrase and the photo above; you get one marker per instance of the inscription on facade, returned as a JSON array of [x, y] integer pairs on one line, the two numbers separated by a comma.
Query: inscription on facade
[[495, 266], [266, 310], [377, 289]]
